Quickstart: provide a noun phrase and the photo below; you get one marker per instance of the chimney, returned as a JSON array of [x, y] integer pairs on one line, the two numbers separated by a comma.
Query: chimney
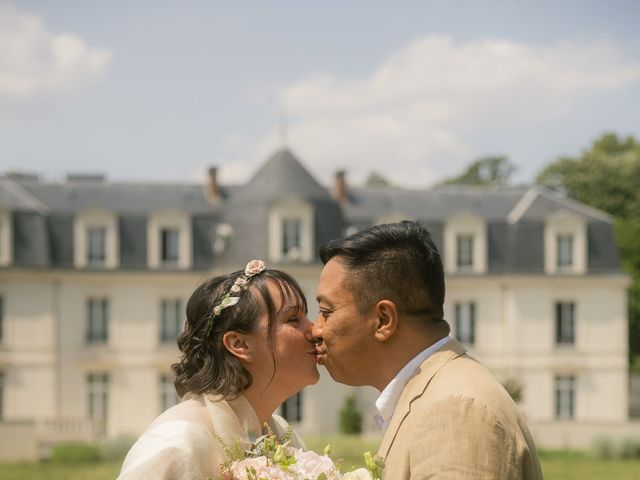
[[339, 191], [213, 188]]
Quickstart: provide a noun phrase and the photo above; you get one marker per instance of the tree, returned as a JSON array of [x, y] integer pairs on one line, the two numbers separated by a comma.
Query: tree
[[376, 179], [607, 177], [350, 417], [486, 171]]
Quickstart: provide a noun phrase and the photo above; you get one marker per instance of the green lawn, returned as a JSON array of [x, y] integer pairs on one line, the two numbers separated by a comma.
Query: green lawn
[[348, 451]]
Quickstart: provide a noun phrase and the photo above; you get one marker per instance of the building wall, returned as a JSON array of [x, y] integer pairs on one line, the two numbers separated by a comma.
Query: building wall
[[515, 338], [46, 359]]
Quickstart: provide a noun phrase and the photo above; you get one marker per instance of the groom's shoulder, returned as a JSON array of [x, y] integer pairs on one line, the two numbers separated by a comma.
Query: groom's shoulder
[[464, 377]]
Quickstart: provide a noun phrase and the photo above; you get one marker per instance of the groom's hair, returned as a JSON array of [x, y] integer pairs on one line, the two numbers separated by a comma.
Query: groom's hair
[[397, 262]]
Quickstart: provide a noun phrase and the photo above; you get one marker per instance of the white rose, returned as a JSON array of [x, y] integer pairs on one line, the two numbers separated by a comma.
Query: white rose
[[241, 282], [359, 474], [254, 267]]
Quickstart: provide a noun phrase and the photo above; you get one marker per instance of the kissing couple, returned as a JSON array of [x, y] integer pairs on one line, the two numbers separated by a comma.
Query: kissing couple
[[248, 345]]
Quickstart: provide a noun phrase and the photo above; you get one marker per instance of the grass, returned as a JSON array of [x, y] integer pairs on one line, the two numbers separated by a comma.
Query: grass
[[51, 471], [348, 450]]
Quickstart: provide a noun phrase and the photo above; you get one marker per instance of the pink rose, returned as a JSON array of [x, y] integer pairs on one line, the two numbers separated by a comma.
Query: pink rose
[[254, 267]]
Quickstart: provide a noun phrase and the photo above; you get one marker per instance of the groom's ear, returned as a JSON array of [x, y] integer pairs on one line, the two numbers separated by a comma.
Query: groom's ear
[[237, 344], [387, 319]]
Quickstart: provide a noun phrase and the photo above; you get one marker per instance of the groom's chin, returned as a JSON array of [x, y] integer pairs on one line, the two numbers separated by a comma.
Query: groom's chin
[[337, 377]]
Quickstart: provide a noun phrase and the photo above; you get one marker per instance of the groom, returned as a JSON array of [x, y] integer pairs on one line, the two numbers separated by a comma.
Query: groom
[[444, 416]]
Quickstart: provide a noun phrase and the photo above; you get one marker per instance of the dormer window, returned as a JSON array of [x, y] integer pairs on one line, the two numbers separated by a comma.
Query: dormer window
[[96, 239], [96, 245], [5, 237], [169, 240], [464, 252], [564, 245], [291, 231], [465, 244], [169, 245], [291, 238]]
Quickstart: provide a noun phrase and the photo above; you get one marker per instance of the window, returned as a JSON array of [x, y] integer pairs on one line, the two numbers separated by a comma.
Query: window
[[565, 396], [96, 245], [565, 323], [168, 395], [464, 250], [169, 240], [97, 320], [292, 408], [465, 318], [170, 320], [291, 238], [98, 399], [1, 395], [564, 244], [1, 320]]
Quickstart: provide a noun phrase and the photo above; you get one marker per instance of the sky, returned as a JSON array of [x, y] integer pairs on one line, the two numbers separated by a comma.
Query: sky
[[415, 90]]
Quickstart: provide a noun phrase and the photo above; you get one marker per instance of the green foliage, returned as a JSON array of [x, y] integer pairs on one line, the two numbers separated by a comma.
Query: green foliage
[[115, 449], [604, 448], [375, 465], [376, 179], [626, 449], [75, 452], [513, 388], [346, 450], [607, 177], [630, 448], [486, 171], [350, 417]]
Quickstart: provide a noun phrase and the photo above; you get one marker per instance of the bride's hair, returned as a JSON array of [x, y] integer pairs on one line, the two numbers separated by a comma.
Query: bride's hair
[[205, 365]]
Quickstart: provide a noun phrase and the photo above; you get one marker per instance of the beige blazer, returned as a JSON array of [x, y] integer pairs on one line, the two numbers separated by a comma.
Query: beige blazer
[[187, 442], [455, 421]]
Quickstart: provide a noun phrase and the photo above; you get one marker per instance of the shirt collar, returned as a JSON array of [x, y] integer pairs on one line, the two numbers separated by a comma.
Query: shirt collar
[[388, 399]]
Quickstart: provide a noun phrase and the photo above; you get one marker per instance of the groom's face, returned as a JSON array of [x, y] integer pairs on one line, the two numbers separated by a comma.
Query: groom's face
[[344, 337]]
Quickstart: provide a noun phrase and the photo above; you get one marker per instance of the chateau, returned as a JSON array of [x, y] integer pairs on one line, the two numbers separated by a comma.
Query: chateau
[[94, 277]]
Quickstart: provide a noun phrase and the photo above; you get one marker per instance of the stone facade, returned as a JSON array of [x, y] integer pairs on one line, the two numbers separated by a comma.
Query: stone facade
[[94, 277]]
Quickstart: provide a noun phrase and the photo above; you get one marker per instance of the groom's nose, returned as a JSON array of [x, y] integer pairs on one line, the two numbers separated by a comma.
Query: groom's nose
[[317, 328]]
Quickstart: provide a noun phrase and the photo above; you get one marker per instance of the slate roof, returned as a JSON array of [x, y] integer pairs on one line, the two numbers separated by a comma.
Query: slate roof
[[43, 214], [283, 176]]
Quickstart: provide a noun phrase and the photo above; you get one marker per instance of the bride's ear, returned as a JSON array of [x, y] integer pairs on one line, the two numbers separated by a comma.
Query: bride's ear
[[237, 344], [387, 319]]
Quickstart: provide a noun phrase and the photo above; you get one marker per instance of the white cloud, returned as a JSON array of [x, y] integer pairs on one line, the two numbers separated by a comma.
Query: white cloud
[[415, 108], [34, 60]]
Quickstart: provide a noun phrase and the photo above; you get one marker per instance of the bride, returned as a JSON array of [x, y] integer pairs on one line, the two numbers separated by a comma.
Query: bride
[[245, 349]]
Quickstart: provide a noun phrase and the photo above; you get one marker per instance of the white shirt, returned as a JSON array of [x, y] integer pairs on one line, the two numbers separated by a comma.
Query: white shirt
[[388, 399]]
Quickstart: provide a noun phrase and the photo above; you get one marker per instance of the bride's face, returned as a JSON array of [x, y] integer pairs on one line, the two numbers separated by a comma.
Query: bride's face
[[286, 360]]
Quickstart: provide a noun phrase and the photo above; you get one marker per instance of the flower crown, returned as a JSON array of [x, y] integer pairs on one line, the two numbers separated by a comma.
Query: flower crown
[[253, 268]]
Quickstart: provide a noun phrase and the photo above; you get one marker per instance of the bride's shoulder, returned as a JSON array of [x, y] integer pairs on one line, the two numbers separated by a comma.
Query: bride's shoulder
[[191, 410]]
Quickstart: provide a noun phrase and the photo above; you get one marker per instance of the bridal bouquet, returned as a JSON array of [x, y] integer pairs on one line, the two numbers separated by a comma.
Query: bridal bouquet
[[270, 460]]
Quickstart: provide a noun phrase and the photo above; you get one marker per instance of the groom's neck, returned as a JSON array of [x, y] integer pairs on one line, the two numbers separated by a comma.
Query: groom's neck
[[400, 350]]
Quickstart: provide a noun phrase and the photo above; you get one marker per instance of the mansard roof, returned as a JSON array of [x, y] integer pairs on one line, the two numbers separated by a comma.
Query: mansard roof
[[43, 216], [282, 176], [121, 197]]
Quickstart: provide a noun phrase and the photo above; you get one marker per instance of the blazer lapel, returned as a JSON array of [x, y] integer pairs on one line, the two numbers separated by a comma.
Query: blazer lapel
[[416, 388]]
